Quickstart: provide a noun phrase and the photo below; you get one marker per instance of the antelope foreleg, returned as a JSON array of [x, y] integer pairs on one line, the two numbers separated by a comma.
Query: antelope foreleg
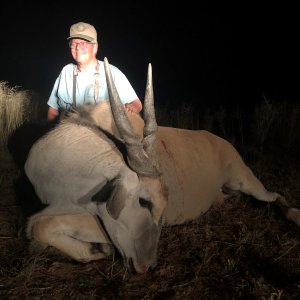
[[78, 236]]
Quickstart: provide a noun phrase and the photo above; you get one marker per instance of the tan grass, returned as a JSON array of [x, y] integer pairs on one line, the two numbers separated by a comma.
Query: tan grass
[[265, 115], [11, 110], [17, 106]]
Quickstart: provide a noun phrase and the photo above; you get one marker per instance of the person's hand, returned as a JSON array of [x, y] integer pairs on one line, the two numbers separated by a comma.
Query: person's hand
[[130, 107], [134, 107]]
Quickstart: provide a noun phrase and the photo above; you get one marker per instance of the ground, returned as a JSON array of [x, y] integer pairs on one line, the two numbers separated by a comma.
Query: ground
[[241, 249]]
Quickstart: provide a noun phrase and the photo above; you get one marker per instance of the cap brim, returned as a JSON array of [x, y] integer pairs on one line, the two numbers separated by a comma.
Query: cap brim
[[81, 36]]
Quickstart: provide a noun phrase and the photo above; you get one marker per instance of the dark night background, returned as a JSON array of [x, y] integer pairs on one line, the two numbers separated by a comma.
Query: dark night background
[[200, 53]]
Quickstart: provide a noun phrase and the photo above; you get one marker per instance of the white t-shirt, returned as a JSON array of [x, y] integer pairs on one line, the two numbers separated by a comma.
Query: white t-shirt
[[61, 97]]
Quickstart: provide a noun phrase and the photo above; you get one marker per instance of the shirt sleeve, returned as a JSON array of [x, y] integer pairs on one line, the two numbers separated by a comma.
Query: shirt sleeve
[[61, 94], [125, 90], [53, 99]]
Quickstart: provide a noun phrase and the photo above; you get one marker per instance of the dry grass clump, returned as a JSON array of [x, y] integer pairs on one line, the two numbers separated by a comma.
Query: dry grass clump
[[282, 127], [11, 110], [17, 106]]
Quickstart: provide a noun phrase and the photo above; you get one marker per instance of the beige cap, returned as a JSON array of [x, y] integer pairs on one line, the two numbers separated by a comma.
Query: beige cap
[[84, 31]]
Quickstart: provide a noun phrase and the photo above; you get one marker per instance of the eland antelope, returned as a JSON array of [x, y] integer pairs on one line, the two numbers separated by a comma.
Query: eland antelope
[[111, 179]]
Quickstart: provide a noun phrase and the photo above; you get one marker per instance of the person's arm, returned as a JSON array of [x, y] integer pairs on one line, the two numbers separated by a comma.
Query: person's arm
[[61, 91], [52, 114], [134, 106], [126, 91]]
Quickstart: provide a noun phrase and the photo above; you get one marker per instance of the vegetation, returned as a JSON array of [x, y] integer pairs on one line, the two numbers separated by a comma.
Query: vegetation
[[242, 249], [17, 107]]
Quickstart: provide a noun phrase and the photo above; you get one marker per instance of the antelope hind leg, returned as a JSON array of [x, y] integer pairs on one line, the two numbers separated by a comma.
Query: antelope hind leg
[[79, 236], [242, 179]]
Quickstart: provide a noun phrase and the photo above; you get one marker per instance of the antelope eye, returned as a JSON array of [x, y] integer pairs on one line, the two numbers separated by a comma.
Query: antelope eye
[[146, 203]]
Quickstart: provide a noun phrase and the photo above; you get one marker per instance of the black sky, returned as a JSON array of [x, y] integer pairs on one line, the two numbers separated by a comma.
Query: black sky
[[201, 53]]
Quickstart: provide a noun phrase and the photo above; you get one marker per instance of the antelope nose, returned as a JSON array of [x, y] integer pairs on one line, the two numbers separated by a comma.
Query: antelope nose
[[143, 269], [140, 269]]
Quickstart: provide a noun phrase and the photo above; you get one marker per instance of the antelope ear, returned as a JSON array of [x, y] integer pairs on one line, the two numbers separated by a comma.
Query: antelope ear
[[114, 194], [116, 201]]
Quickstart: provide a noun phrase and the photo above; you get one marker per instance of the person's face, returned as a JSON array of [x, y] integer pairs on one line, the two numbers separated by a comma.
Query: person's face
[[82, 50]]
